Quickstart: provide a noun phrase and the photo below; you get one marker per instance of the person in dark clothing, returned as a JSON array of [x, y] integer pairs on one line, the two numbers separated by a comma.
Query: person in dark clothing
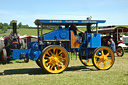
[[75, 29]]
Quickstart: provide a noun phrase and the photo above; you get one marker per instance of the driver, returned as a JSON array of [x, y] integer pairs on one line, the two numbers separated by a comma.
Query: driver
[[75, 29]]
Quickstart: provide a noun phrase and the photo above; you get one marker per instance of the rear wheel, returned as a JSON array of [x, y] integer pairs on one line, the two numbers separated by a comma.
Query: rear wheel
[[120, 51], [103, 58], [84, 61], [54, 59]]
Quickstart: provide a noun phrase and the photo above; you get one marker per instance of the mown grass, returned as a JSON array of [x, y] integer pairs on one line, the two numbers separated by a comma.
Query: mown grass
[[26, 31], [19, 73]]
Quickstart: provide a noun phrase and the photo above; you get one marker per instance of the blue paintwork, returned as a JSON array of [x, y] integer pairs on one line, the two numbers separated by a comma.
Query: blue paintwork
[[59, 34], [93, 40], [89, 44], [19, 53], [32, 53]]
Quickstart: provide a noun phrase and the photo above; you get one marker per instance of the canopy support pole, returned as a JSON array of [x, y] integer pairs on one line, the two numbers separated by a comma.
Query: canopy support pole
[[97, 28], [41, 32], [38, 32], [117, 34]]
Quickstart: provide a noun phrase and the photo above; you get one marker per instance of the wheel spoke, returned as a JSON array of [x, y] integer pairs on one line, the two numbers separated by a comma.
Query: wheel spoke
[[51, 67], [47, 63], [107, 54], [99, 61], [47, 57], [108, 60], [50, 52], [60, 52], [104, 63], [102, 52], [97, 56], [88, 61], [54, 50], [57, 67]]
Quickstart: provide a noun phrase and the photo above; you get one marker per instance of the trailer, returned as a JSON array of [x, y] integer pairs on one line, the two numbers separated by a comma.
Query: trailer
[[51, 50]]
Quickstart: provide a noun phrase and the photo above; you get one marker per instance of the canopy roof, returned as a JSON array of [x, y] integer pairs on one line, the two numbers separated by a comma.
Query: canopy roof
[[113, 29], [64, 22]]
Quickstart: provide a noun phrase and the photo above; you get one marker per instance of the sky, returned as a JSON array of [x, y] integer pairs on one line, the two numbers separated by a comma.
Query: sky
[[115, 12]]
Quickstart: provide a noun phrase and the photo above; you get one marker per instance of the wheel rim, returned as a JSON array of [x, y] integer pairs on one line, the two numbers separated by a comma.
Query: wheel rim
[[55, 59], [119, 52], [87, 62], [103, 58]]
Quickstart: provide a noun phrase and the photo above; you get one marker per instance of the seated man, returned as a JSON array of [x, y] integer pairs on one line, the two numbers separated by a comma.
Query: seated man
[[75, 29]]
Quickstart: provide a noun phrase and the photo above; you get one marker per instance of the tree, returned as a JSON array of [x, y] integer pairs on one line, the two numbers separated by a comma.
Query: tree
[[10, 23], [5, 24], [9, 27], [1, 25], [20, 25], [4, 29]]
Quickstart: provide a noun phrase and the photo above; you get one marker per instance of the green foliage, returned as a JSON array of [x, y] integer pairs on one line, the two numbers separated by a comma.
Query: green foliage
[[25, 26], [20, 25], [10, 23], [5, 24], [9, 27], [1, 25], [4, 29]]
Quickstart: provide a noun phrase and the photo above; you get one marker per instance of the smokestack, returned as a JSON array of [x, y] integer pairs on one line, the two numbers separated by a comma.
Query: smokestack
[[14, 25]]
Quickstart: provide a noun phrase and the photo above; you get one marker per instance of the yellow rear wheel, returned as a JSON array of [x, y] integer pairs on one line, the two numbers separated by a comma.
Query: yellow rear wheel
[[54, 59], [85, 62], [103, 58]]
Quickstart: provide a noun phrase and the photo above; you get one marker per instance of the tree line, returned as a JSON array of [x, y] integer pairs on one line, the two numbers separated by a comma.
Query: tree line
[[5, 26]]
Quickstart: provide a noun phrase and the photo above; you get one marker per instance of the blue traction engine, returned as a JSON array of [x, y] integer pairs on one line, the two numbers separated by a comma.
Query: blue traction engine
[[51, 50]]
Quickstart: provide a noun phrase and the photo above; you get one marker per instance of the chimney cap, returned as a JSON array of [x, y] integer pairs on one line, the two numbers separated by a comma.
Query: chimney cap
[[14, 21]]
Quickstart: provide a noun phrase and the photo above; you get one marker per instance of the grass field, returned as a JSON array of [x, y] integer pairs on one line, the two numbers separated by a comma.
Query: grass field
[[24, 31], [19, 73]]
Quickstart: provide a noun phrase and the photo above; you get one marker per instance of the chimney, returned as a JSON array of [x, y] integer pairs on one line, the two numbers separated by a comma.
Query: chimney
[[14, 25]]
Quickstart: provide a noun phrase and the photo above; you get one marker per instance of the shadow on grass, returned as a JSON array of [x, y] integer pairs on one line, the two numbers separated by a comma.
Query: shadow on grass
[[83, 68], [126, 74], [38, 71], [30, 71]]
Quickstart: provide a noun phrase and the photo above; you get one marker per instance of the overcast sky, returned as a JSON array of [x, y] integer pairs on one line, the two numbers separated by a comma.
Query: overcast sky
[[115, 12]]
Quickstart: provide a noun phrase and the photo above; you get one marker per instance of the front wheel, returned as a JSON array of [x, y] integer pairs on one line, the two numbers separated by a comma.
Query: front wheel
[[54, 59], [103, 58]]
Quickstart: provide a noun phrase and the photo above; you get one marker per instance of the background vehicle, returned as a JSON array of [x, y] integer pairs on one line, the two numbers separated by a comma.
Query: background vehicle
[[13, 41], [117, 34]]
